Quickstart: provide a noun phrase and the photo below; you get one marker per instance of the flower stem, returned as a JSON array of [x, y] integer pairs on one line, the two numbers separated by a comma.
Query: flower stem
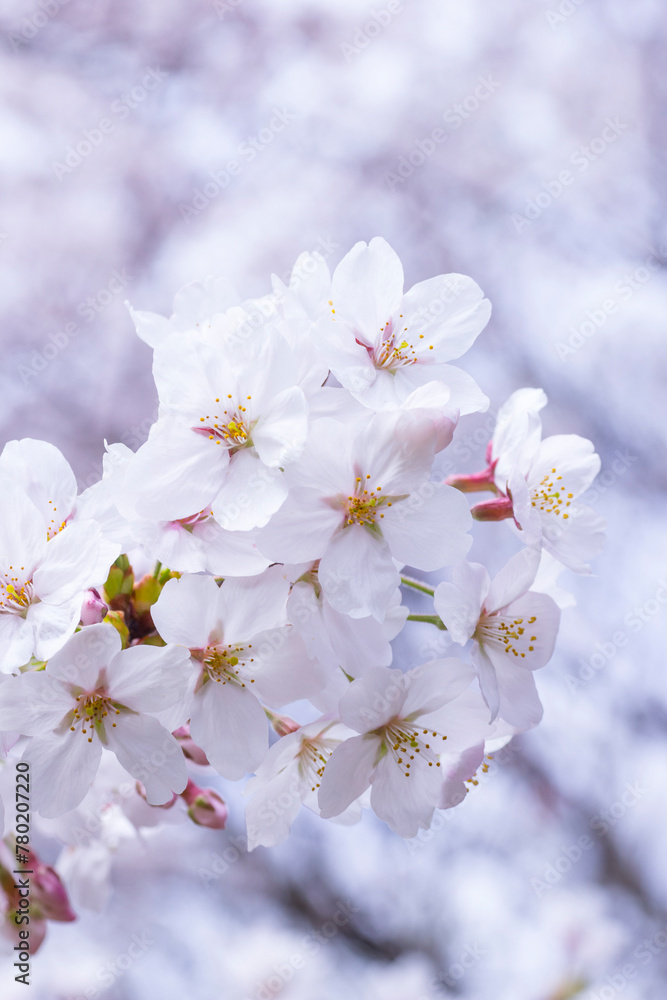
[[418, 585], [431, 619], [158, 569]]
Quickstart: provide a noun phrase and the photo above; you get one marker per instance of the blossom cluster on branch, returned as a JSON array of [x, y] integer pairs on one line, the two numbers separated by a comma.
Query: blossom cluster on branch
[[251, 560]]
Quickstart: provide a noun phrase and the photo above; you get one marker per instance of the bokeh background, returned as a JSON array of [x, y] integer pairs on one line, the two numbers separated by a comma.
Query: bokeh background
[[550, 881]]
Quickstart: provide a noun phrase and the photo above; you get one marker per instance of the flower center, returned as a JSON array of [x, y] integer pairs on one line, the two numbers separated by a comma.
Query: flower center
[[549, 497], [15, 597], [363, 506], [412, 748], [508, 634], [394, 350], [313, 757], [228, 664], [231, 428], [90, 712]]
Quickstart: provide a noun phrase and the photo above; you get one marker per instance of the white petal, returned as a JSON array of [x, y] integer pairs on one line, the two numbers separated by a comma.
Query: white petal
[[280, 433], [251, 606], [449, 311], [432, 685], [358, 574], [62, 769], [187, 611], [53, 625], [514, 579], [150, 754], [367, 287], [33, 704], [429, 530], [17, 642], [70, 562], [300, 530], [405, 800], [151, 327], [372, 700], [229, 724], [85, 655], [347, 774], [250, 493], [149, 678], [42, 471], [459, 603]]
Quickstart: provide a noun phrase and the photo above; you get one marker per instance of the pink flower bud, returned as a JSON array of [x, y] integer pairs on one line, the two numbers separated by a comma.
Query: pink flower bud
[[94, 609], [205, 807], [282, 724], [493, 510], [49, 894], [476, 482], [189, 747]]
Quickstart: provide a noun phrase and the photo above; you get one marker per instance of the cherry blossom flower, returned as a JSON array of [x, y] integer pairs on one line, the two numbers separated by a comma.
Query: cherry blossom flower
[[289, 777], [361, 499], [403, 722], [93, 696], [44, 575], [243, 651], [382, 343], [513, 628]]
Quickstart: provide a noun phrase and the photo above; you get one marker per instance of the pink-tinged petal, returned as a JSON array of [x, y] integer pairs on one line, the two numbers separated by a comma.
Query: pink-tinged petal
[[86, 654], [62, 770], [326, 460], [188, 611], [448, 312], [301, 529], [150, 754], [176, 472], [429, 530], [33, 704], [520, 705], [174, 544], [432, 400], [357, 573], [405, 800], [149, 678], [348, 359], [367, 288], [69, 565], [347, 774], [280, 433], [249, 495], [459, 603], [514, 579], [53, 624], [17, 642], [251, 606], [372, 700], [575, 541], [230, 725], [151, 327], [574, 459], [45, 475], [432, 685]]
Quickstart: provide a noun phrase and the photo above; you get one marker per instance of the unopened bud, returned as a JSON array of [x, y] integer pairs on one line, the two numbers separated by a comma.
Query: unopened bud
[[93, 610], [282, 724], [188, 745], [493, 510], [49, 894], [205, 807], [476, 482]]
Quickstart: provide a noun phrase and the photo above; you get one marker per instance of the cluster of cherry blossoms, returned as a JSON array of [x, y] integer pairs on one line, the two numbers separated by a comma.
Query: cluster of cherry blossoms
[[226, 596]]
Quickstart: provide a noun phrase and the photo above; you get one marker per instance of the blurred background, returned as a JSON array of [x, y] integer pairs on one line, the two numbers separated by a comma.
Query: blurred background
[[521, 143]]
